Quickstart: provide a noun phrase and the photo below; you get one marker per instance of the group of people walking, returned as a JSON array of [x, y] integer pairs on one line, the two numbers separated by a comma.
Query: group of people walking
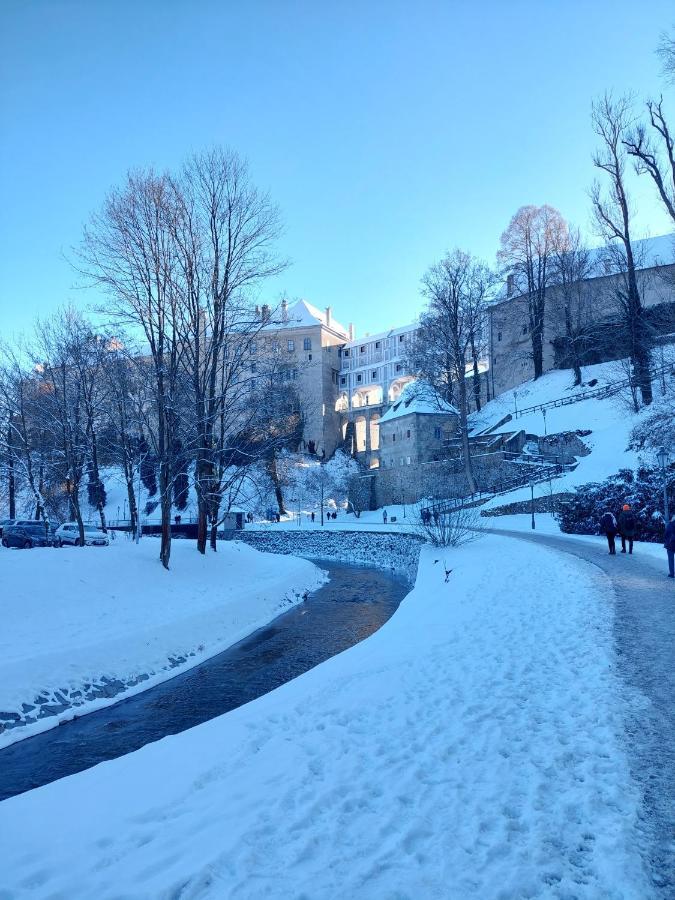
[[626, 525]]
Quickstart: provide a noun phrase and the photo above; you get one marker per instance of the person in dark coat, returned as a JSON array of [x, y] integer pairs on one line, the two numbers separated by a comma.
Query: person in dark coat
[[627, 525], [609, 528], [384, 516], [669, 544]]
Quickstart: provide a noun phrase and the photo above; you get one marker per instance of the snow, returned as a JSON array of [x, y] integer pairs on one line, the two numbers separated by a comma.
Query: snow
[[470, 748], [303, 314], [609, 420], [111, 617], [421, 399]]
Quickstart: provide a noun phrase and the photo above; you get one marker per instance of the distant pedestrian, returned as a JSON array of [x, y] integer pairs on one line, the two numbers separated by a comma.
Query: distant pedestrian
[[436, 517], [312, 517], [669, 544], [627, 525], [277, 517], [384, 516], [609, 528]]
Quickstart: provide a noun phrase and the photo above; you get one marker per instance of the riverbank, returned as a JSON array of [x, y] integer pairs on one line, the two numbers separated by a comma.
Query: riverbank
[[472, 747], [83, 627]]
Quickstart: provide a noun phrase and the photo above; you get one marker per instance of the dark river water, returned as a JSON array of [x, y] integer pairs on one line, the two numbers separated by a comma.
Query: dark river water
[[355, 603]]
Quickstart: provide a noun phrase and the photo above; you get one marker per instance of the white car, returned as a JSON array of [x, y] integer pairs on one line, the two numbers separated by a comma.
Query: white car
[[69, 533]]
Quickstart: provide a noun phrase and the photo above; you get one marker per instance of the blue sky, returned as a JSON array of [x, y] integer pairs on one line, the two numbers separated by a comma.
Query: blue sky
[[387, 132]]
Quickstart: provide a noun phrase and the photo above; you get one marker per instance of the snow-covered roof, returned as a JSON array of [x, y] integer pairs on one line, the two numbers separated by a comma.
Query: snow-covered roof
[[381, 335], [419, 398], [301, 313], [649, 254]]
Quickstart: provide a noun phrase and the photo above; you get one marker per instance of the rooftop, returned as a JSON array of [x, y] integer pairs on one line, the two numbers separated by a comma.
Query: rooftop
[[421, 399]]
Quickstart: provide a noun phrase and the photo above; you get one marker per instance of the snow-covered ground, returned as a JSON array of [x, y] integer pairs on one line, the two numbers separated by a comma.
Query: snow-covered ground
[[609, 420], [82, 624], [469, 749]]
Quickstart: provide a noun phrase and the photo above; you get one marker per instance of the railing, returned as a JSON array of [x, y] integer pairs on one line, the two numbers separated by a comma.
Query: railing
[[608, 390]]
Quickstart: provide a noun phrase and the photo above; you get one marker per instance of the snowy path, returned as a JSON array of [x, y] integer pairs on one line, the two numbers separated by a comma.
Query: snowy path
[[644, 632], [471, 748]]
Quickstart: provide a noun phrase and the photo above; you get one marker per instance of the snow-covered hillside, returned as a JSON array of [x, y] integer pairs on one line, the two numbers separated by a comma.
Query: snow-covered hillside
[[609, 420], [81, 626]]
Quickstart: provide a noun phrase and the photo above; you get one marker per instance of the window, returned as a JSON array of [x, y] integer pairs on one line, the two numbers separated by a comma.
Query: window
[[407, 460], [307, 344], [290, 345], [309, 357], [398, 367], [393, 437], [254, 367], [499, 335], [294, 374], [374, 374], [377, 345], [275, 345], [438, 433], [346, 352], [407, 434], [401, 338], [362, 349], [359, 378], [343, 380], [524, 329]]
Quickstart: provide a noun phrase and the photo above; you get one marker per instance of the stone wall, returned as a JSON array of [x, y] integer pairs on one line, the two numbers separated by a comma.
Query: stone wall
[[382, 550]]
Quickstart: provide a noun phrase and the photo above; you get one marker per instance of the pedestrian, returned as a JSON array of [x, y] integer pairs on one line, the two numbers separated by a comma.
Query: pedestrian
[[627, 525], [609, 528], [669, 544], [384, 516], [277, 516], [312, 517]]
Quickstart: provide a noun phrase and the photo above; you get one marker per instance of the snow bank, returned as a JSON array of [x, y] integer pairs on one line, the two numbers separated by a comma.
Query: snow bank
[[82, 626], [470, 748]]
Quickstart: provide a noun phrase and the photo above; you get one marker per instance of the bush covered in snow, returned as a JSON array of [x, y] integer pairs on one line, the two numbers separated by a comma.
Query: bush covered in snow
[[642, 490]]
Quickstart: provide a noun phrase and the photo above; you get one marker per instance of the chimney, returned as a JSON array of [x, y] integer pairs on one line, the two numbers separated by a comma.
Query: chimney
[[284, 310], [265, 312], [257, 311], [351, 332], [329, 312], [510, 284]]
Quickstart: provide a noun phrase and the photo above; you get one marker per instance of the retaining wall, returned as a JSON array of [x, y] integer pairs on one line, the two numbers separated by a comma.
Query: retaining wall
[[399, 552]]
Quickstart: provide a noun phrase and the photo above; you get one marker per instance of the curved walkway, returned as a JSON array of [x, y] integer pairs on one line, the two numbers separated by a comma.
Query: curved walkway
[[644, 629]]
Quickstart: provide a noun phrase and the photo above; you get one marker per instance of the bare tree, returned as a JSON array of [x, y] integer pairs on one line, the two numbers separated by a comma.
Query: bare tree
[[457, 289], [654, 153], [572, 265], [56, 349], [444, 526], [612, 122], [129, 250], [224, 234], [526, 252], [666, 52]]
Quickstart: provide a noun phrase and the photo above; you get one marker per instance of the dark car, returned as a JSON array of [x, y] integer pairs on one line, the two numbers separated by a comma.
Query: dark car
[[27, 534], [5, 523]]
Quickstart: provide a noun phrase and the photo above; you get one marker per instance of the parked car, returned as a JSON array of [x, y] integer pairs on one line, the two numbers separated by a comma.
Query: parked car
[[26, 534], [5, 523], [69, 533]]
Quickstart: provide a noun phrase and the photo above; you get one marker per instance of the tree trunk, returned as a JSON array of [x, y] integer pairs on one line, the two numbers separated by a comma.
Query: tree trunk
[[466, 454], [131, 497], [11, 480], [476, 378], [274, 475], [97, 479]]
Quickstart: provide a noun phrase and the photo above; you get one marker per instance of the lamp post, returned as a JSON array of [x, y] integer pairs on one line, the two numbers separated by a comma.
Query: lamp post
[[532, 501], [662, 457], [543, 412]]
